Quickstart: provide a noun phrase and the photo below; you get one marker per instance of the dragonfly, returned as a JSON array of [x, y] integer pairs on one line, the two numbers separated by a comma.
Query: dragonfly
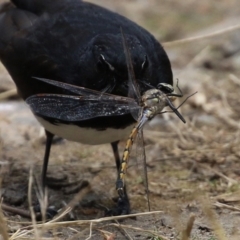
[[87, 104], [152, 102]]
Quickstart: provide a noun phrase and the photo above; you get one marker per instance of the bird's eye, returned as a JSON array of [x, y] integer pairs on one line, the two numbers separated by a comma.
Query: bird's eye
[[102, 62], [145, 63]]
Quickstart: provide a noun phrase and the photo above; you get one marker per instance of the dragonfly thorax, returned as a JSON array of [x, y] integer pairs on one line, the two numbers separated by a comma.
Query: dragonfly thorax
[[154, 101]]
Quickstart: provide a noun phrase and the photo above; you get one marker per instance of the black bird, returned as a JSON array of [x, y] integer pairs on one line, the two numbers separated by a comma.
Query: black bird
[[78, 43]]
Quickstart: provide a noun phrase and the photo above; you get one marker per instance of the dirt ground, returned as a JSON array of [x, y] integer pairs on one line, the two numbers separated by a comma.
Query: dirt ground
[[193, 168]]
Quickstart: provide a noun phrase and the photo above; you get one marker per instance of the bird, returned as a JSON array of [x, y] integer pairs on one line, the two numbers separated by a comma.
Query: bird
[[79, 43]]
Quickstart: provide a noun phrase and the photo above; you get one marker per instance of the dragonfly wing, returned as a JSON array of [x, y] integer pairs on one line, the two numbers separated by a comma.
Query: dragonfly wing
[[136, 112], [141, 162], [76, 108], [82, 91], [133, 89]]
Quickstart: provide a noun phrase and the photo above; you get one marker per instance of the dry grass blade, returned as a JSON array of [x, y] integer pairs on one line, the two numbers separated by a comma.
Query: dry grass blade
[[19, 234], [212, 218], [234, 79], [34, 228], [193, 39], [90, 229], [100, 220], [16, 235], [52, 225], [125, 232], [8, 94], [107, 235], [232, 197], [139, 230], [79, 235], [33, 216], [187, 232], [231, 122], [230, 181], [3, 227]]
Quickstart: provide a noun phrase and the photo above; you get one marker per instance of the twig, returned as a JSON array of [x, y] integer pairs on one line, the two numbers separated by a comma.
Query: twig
[[191, 39], [223, 205], [17, 211]]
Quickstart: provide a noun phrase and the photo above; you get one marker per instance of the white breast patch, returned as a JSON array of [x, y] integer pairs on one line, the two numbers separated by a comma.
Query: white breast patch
[[86, 135]]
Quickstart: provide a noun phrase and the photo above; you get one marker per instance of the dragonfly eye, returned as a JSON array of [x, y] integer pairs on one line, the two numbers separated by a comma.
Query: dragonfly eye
[[103, 62], [166, 88]]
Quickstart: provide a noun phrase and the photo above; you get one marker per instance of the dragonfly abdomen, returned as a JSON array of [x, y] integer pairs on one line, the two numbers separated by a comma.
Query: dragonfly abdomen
[[124, 163]]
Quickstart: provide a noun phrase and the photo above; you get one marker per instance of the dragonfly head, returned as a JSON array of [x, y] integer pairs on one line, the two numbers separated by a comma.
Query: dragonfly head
[[167, 89], [154, 100], [159, 96], [170, 96]]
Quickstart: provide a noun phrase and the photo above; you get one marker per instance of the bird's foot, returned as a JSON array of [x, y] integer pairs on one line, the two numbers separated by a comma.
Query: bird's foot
[[48, 213], [122, 208]]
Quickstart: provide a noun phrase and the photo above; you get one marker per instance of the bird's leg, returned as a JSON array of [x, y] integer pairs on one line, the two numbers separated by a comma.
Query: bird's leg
[[46, 158], [51, 182], [50, 212], [116, 154], [56, 182]]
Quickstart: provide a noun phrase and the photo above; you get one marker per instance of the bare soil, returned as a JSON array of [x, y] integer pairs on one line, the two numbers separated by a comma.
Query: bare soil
[[193, 168]]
